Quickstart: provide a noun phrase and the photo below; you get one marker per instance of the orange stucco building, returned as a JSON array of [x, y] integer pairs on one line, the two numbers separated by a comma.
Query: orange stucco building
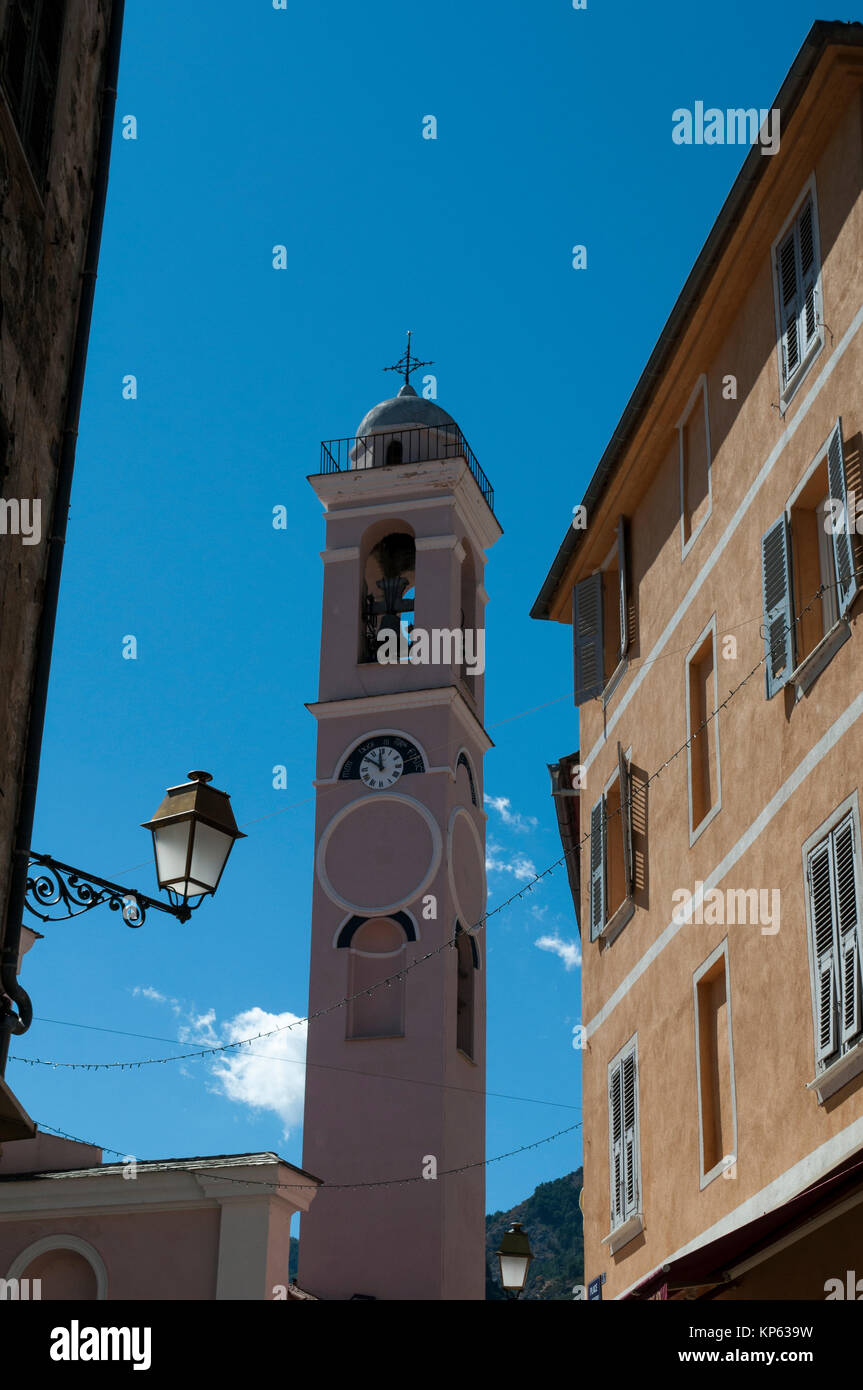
[[715, 597]]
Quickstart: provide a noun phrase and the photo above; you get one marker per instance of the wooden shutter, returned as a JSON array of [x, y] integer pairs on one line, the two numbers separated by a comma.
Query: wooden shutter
[[789, 304], [824, 950], [615, 1118], [778, 618], [588, 638], [846, 920], [597, 868], [623, 572], [630, 1156], [625, 817], [843, 550]]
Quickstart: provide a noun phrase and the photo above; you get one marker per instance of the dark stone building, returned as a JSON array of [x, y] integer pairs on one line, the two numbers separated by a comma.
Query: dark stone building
[[58, 71]]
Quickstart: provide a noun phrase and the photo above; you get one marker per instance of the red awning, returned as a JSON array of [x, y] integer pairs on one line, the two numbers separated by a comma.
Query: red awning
[[708, 1265]]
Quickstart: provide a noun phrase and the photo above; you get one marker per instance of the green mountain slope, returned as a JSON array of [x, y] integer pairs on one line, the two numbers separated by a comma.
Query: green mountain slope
[[552, 1220]]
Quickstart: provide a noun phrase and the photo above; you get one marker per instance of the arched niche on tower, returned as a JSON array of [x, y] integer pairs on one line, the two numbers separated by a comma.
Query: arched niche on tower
[[467, 964], [469, 606], [465, 778], [376, 950], [387, 586]]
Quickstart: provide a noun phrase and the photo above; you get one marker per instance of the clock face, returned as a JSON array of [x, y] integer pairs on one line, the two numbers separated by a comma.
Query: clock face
[[382, 766]]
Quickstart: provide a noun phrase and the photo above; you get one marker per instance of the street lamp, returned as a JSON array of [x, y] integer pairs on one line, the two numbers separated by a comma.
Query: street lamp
[[193, 833], [515, 1257]]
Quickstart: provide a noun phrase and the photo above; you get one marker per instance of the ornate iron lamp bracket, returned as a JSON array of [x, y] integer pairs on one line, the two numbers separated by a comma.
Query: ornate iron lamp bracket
[[65, 892]]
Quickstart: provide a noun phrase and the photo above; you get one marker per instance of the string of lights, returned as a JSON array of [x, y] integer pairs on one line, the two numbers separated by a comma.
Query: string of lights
[[325, 1066], [345, 1186], [450, 940]]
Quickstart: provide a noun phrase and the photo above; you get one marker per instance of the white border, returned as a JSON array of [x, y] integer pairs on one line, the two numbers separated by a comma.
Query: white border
[[469, 928], [46, 1244], [696, 830], [382, 910], [851, 803], [788, 390], [705, 1178], [686, 545]]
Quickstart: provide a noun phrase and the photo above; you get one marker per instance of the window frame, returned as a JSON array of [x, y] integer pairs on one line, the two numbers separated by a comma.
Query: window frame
[[845, 1062], [706, 1177], [788, 389], [691, 405], [612, 925], [592, 588], [695, 831], [803, 671]]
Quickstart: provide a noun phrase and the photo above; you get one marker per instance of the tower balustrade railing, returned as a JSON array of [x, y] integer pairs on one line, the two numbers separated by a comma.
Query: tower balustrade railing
[[391, 448]]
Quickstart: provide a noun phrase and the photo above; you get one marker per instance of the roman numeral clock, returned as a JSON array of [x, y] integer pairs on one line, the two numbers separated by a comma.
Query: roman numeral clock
[[395, 1083]]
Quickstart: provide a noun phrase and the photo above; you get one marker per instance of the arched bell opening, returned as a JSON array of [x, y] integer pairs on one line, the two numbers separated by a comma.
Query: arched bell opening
[[387, 594]]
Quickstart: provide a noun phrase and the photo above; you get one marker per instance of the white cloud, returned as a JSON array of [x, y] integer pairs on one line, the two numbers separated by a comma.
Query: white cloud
[[567, 950], [270, 1073], [519, 865], [514, 820], [155, 995]]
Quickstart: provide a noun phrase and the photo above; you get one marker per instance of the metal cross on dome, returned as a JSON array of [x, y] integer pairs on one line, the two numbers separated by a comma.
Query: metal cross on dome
[[408, 364]]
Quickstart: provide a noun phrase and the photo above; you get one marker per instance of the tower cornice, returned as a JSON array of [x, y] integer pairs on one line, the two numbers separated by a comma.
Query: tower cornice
[[403, 701]]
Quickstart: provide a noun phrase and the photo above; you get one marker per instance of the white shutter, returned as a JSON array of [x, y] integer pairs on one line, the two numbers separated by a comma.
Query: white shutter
[[597, 868], [615, 1118], [776, 594], [630, 1149], [846, 920], [824, 950], [623, 572], [808, 276], [843, 551], [588, 639], [797, 267]]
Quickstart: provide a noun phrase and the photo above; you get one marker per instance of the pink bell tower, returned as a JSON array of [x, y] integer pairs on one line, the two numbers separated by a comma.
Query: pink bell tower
[[395, 1087]]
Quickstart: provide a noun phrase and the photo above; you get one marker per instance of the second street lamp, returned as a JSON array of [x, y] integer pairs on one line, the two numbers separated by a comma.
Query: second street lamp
[[514, 1256]]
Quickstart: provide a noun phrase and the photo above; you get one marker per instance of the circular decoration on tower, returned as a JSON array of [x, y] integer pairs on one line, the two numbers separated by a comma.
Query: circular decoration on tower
[[379, 853], [466, 868]]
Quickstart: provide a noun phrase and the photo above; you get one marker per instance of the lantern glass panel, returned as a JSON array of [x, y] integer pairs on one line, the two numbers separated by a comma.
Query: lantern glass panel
[[513, 1271], [171, 843], [210, 852]]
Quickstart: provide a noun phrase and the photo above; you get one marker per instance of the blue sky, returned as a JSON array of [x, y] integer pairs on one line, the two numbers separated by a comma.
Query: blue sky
[[303, 127]]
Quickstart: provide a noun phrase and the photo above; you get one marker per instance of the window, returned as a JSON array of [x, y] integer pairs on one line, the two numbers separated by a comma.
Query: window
[[702, 732], [810, 546], [696, 497], [601, 623], [714, 1061], [624, 1141], [376, 953], [30, 64], [611, 899], [797, 290], [467, 963], [833, 872]]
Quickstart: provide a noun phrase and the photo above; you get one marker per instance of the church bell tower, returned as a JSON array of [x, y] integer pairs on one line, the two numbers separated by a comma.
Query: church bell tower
[[395, 1085]]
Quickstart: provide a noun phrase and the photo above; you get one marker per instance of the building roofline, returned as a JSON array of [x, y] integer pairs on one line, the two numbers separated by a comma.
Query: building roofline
[[166, 1165], [823, 35]]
